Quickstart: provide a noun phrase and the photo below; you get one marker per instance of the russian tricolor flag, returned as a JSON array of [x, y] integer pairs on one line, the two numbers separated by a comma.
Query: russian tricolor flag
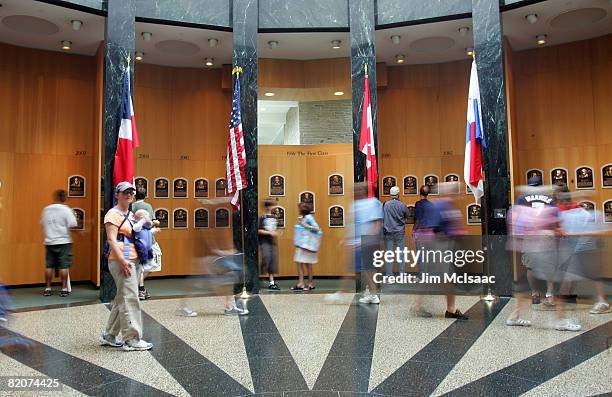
[[123, 170], [474, 139]]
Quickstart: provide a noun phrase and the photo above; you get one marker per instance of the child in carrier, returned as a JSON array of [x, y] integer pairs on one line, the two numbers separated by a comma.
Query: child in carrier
[[144, 229]]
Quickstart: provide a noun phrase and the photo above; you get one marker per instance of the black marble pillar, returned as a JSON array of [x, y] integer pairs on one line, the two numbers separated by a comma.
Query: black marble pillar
[[245, 19], [119, 43], [489, 59], [363, 52]]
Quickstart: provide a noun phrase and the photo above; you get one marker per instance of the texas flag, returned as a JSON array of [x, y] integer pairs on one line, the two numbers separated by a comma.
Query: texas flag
[[128, 137], [366, 140], [474, 139]]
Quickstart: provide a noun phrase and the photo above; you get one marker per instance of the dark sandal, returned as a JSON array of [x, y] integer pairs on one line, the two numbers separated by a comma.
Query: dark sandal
[[47, 292], [64, 294], [297, 289], [311, 287]]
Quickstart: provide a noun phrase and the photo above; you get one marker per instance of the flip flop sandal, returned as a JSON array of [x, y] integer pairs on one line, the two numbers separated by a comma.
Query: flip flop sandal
[[297, 289]]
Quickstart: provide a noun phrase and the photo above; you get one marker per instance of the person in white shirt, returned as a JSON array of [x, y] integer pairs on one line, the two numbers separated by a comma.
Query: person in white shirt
[[57, 220]]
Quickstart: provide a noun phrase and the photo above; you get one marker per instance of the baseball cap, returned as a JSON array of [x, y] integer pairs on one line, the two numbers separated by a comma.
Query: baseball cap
[[394, 191], [535, 180], [123, 186]]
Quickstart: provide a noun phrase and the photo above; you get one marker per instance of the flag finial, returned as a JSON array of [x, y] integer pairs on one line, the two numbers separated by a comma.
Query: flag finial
[[236, 70], [366, 68]]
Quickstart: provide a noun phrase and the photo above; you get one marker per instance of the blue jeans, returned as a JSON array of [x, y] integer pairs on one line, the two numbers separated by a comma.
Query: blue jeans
[[393, 241]]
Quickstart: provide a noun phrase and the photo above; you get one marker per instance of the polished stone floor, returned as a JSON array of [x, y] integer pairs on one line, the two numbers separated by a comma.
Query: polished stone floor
[[301, 345]]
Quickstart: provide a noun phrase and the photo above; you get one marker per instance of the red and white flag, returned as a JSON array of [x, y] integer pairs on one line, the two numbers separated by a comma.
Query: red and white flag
[[474, 139], [236, 155], [366, 140], [128, 138]]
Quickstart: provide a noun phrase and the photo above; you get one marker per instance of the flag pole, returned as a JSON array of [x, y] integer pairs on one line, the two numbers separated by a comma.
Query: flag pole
[[244, 295]]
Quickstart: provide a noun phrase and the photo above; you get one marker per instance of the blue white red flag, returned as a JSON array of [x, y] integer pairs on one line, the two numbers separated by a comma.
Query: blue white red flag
[[474, 139], [123, 170]]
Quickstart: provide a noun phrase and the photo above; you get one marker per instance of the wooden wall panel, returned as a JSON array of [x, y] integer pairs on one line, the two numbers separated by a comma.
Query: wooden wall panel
[[310, 172], [182, 117], [48, 102]]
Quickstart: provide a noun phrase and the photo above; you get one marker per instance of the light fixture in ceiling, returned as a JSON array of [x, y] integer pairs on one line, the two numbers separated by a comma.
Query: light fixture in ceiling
[[212, 43], [469, 51], [336, 44], [269, 94], [399, 58], [395, 39], [463, 31], [541, 39], [531, 18], [209, 61], [273, 44], [139, 55], [146, 36], [338, 93], [66, 45], [76, 24]]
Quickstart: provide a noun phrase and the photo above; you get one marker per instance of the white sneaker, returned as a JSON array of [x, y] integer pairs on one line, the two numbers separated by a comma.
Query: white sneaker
[[135, 344], [236, 311], [600, 308], [186, 312], [518, 322], [567, 325], [370, 299], [107, 339], [336, 297]]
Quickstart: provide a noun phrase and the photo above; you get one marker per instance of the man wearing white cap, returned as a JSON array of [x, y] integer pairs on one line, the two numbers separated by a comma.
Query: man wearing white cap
[[395, 216]]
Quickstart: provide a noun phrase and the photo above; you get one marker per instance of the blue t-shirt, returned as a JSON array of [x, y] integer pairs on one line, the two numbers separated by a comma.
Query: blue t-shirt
[[424, 215]]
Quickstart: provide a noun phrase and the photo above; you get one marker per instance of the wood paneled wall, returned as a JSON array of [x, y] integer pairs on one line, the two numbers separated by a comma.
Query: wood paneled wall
[[421, 126], [307, 167], [48, 132], [182, 117]]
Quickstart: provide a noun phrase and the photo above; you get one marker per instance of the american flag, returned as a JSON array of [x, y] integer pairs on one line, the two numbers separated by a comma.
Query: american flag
[[236, 156]]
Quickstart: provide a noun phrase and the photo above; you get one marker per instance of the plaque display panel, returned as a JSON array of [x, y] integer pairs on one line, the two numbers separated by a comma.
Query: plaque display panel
[[162, 188], [142, 185], [432, 180], [179, 188], [387, 183], [76, 186], [162, 215], [336, 216], [411, 185], [607, 206], [534, 172], [220, 187], [279, 214], [473, 214], [200, 218], [584, 178], [222, 217], [180, 219], [558, 176], [277, 186], [79, 214], [200, 188], [307, 197], [410, 219], [335, 183], [453, 178], [606, 176]]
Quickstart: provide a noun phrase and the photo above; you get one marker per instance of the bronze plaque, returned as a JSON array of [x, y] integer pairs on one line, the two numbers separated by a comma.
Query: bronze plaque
[[410, 185], [161, 214], [200, 218], [161, 188], [76, 186], [308, 198], [200, 187], [141, 185], [606, 176], [453, 178], [473, 214], [587, 205], [388, 183], [410, 219], [336, 216], [432, 182], [279, 214], [584, 178], [336, 185], [220, 188], [535, 172], [277, 185], [608, 211], [80, 218], [179, 220], [558, 176], [179, 188], [222, 217]]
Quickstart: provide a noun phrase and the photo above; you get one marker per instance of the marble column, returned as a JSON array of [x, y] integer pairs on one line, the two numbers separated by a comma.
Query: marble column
[[363, 52], [488, 46], [119, 43], [245, 20]]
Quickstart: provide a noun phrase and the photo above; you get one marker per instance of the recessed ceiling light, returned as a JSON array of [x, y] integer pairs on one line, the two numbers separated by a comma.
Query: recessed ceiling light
[[338, 93], [66, 45], [212, 43], [269, 94], [76, 24], [139, 55], [146, 36], [469, 51], [273, 44], [336, 44], [395, 39], [541, 39], [463, 30], [399, 58], [531, 18], [209, 61]]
